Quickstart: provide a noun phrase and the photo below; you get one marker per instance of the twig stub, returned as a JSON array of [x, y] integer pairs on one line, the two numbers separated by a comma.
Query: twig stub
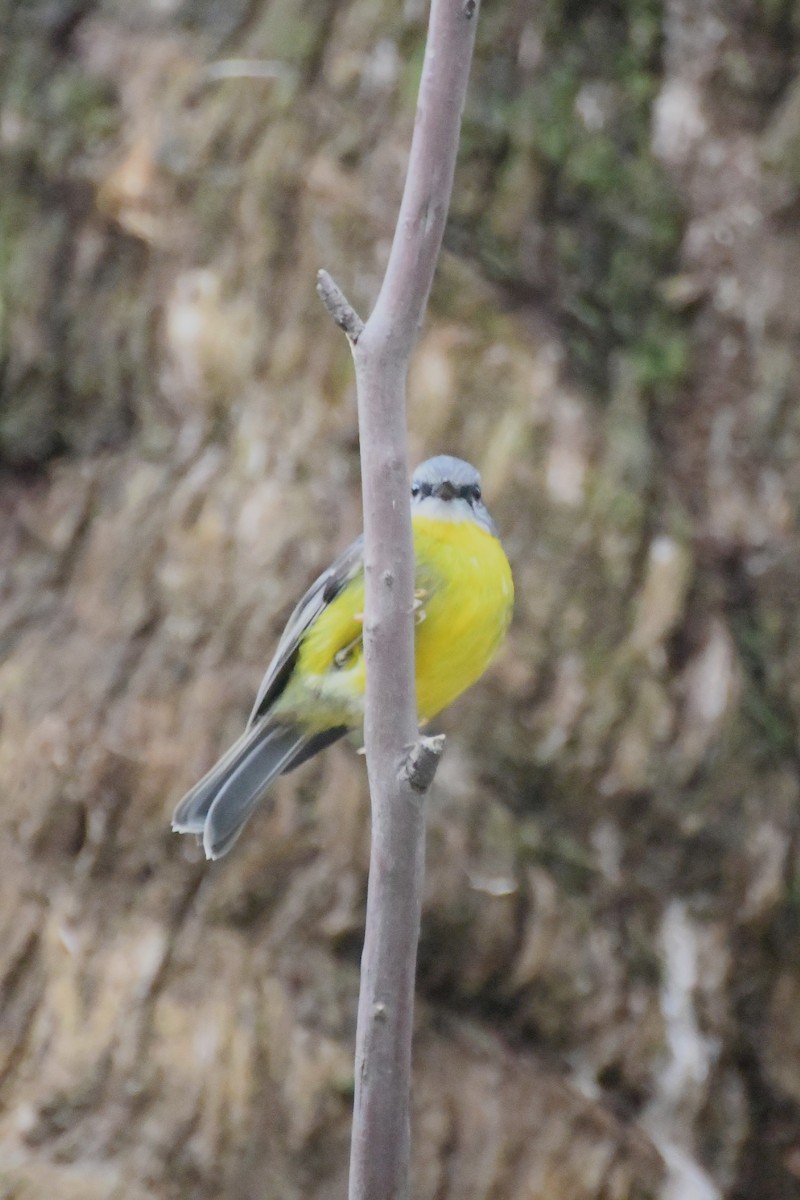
[[422, 760], [339, 306]]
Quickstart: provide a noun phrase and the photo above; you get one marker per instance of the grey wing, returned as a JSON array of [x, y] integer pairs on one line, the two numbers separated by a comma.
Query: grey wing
[[322, 591]]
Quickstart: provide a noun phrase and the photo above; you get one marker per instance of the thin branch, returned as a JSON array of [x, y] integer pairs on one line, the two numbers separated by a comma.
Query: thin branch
[[339, 306], [398, 777], [422, 761]]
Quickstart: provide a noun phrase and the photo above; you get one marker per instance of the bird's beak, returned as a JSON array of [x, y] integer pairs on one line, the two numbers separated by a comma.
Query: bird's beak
[[446, 491]]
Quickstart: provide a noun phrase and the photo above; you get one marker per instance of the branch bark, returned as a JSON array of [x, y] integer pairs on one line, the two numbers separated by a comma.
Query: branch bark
[[400, 764]]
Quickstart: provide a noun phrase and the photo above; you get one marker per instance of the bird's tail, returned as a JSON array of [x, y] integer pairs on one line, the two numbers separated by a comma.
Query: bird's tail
[[219, 806]]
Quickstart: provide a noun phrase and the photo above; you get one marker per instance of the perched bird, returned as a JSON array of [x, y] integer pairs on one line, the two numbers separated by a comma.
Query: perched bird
[[313, 691]]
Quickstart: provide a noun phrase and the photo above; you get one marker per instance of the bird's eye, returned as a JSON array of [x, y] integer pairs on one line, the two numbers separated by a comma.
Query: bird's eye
[[476, 493], [415, 489]]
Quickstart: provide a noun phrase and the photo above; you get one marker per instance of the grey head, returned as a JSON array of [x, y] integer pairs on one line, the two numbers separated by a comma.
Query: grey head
[[449, 489]]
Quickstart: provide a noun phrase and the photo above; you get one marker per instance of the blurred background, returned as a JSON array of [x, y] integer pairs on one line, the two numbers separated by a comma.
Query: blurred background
[[609, 978]]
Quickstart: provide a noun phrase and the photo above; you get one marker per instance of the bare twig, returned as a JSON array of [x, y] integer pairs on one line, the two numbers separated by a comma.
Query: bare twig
[[381, 352], [339, 306], [422, 761]]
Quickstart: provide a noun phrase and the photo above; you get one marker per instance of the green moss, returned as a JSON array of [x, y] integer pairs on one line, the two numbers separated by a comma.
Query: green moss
[[68, 113], [65, 118], [793, 897], [291, 32], [625, 512], [661, 355], [558, 190], [83, 102], [779, 15], [763, 703]]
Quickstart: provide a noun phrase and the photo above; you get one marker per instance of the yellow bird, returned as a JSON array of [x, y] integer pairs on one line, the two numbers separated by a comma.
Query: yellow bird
[[313, 691]]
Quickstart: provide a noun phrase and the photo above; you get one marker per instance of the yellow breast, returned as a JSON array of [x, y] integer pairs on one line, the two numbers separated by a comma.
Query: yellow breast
[[466, 595]]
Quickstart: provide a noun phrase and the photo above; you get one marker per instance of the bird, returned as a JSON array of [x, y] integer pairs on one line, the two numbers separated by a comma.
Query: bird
[[313, 691]]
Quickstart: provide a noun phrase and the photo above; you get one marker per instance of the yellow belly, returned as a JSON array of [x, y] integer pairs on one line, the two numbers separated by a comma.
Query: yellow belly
[[467, 595], [467, 611]]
